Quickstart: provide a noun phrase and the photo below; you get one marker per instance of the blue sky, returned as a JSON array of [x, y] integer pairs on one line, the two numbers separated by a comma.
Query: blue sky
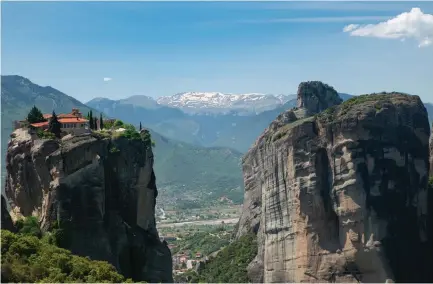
[[162, 48]]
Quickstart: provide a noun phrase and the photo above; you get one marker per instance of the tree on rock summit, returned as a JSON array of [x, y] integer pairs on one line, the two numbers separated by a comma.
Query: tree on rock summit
[[35, 115], [55, 126], [91, 122], [101, 122]]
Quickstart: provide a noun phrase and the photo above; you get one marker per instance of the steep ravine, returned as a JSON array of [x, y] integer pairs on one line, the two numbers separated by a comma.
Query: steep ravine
[[341, 196], [100, 191]]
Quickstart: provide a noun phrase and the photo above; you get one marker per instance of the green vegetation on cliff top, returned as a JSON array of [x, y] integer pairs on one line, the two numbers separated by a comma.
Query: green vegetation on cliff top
[[379, 99], [332, 113]]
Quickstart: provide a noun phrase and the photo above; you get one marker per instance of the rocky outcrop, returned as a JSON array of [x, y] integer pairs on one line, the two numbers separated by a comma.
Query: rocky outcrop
[[341, 196], [100, 192], [315, 97]]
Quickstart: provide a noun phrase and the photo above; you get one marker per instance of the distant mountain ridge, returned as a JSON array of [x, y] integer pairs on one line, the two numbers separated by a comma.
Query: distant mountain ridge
[[233, 129], [205, 103], [199, 142], [216, 102], [210, 103]]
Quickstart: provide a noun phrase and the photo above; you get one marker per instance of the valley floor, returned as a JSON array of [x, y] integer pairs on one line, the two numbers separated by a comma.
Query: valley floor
[[204, 222]]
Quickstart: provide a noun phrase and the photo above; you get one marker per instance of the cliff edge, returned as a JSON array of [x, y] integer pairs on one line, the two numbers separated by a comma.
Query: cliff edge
[[99, 191], [341, 196]]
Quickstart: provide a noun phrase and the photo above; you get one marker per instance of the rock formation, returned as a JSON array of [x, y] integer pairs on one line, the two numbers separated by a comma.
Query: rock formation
[[341, 196], [99, 191], [315, 97], [7, 223]]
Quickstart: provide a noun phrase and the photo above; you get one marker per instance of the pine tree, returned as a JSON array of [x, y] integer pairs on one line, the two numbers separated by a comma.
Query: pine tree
[[140, 126], [101, 122], [91, 125], [35, 115], [55, 126]]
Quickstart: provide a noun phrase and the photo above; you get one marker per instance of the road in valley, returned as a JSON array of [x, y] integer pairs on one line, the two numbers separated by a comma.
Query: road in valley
[[201, 222]]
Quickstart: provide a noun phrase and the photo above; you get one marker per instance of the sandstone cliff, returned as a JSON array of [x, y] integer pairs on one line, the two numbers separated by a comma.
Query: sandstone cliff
[[99, 191], [341, 196]]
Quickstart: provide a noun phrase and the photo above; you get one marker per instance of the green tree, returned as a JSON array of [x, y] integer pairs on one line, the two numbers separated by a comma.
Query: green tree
[[130, 132], [35, 115], [55, 126], [108, 124], [28, 259], [29, 226], [91, 122], [118, 123], [101, 122], [230, 265]]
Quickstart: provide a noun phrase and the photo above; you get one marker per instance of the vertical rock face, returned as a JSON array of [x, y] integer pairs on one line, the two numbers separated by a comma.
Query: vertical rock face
[[315, 97], [100, 192], [341, 196]]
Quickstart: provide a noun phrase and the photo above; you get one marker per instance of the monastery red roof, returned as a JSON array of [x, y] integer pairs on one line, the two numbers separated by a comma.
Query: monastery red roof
[[61, 120], [39, 124], [72, 120]]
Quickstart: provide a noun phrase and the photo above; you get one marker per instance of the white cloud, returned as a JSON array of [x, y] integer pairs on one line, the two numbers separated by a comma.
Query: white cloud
[[350, 27], [425, 42], [414, 24], [106, 79]]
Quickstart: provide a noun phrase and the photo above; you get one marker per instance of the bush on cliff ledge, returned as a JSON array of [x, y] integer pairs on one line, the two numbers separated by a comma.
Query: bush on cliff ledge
[[130, 132], [45, 134], [29, 226], [27, 259]]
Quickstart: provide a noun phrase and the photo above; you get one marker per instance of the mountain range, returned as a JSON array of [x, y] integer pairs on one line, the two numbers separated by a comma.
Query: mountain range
[[208, 130], [235, 128], [220, 103], [200, 137], [184, 170]]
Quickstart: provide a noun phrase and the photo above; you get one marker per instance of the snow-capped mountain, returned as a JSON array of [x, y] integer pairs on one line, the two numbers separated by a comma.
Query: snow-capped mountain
[[216, 102]]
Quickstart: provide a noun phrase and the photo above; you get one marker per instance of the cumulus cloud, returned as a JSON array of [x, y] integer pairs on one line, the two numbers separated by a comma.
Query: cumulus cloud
[[106, 79], [409, 25], [350, 27]]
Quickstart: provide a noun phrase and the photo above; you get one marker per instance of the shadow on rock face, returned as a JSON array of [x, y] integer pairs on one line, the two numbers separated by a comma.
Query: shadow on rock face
[[95, 191]]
